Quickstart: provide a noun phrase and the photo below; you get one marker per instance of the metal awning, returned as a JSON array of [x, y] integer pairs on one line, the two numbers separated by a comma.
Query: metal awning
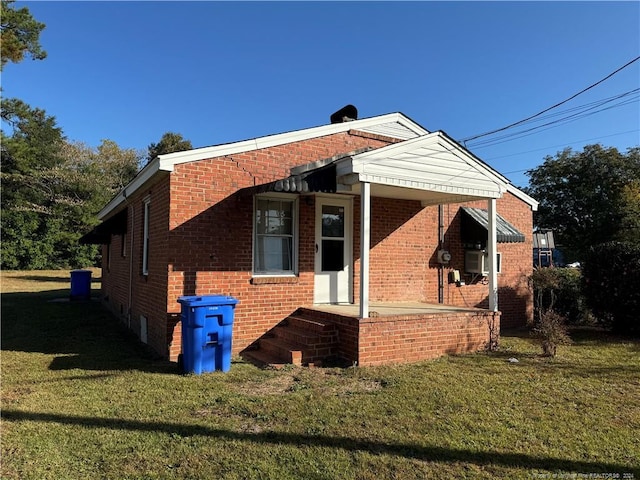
[[318, 176], [101, 233], [475, 225], [320, 180]]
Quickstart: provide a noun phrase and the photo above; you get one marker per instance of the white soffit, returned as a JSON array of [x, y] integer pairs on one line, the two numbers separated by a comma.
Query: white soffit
[[432, 162]]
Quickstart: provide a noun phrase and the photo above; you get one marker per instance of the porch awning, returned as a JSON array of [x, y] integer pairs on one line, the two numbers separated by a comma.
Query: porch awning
[[475, 227], [101, 233], [432, 168]]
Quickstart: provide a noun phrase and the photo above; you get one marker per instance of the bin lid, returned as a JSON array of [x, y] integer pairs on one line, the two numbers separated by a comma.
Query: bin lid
[[204, 300]]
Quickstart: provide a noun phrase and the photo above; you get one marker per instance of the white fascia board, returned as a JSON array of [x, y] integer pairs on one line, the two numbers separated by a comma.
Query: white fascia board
[[168, 161], [516, 192], [284, 138], [140, 179]]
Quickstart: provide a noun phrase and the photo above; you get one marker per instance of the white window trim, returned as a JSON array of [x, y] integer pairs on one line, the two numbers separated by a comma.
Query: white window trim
[[295, 240], [145, 235], [123, 247]]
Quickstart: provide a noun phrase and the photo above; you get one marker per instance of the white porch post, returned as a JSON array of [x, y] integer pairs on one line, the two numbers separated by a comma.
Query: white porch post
[[365, 227], [493, 257]]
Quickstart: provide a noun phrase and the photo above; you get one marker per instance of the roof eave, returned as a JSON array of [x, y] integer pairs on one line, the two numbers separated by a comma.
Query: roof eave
[[516, 192], [287, 137], [146, 174], [167, 162]]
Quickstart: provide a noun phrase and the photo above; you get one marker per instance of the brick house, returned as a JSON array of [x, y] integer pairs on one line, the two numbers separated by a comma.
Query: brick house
[[373, 240]]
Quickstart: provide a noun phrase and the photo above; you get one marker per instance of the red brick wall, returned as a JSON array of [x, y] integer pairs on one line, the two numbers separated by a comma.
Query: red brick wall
[[515, 300], [398, 339], [210, 237], [404, 237], [115, 276]]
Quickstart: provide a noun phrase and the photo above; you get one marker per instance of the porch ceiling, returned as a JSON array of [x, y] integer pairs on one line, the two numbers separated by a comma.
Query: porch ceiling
[[426, 197], [384, 309]]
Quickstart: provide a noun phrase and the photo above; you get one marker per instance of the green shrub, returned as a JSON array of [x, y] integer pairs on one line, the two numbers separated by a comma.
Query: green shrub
[[612, 285], [559, 289]]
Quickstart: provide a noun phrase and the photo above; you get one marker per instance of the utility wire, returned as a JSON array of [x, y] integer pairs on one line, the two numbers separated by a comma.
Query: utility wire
[[553, 106], [555, 146], [569, 118]]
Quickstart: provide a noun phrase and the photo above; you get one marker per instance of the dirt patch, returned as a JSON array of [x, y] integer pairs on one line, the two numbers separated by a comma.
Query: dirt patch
[[316, 380], [272, 386]]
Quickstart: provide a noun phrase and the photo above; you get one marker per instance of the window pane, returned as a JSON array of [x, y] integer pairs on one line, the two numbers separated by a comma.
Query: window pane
[[274, 254], [274, 235], [332, 255], [332, 221], [274, 217]]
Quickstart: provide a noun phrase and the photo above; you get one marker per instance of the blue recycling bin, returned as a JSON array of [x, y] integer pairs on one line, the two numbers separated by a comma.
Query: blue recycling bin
[[80, 284], [207, 328]]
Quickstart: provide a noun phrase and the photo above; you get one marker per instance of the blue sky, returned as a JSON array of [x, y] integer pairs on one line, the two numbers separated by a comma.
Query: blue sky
[[219, 72]]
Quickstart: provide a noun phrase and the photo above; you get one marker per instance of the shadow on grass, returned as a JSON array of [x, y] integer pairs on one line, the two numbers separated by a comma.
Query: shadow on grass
[[418, 452], [580, 335], [47, 278], [83, 334]]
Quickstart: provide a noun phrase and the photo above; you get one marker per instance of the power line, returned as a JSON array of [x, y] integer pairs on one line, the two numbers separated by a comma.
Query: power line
[[586, 112], [555, 146], [553, 106]]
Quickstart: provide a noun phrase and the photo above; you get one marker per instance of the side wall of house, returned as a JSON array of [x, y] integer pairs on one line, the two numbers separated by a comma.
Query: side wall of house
[[201, 243], [211, 234], [139, 299]]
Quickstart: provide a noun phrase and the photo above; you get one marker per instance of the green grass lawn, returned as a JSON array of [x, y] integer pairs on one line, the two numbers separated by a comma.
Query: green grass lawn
[[82, 400]]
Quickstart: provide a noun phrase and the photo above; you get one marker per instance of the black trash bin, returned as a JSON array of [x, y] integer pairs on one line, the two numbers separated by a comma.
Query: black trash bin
[[207, 327]]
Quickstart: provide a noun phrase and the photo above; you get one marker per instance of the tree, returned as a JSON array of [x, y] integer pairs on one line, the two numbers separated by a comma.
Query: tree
[[630, 211], [169, 143], [31, 150], [52, 189], [20, 34], [586, 197]]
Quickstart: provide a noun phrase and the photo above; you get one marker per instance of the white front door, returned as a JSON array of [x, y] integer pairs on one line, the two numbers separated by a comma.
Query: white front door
[[334, 258]]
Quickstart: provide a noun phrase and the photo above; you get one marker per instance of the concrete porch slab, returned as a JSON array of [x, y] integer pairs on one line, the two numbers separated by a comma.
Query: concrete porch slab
[[383, 309]]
